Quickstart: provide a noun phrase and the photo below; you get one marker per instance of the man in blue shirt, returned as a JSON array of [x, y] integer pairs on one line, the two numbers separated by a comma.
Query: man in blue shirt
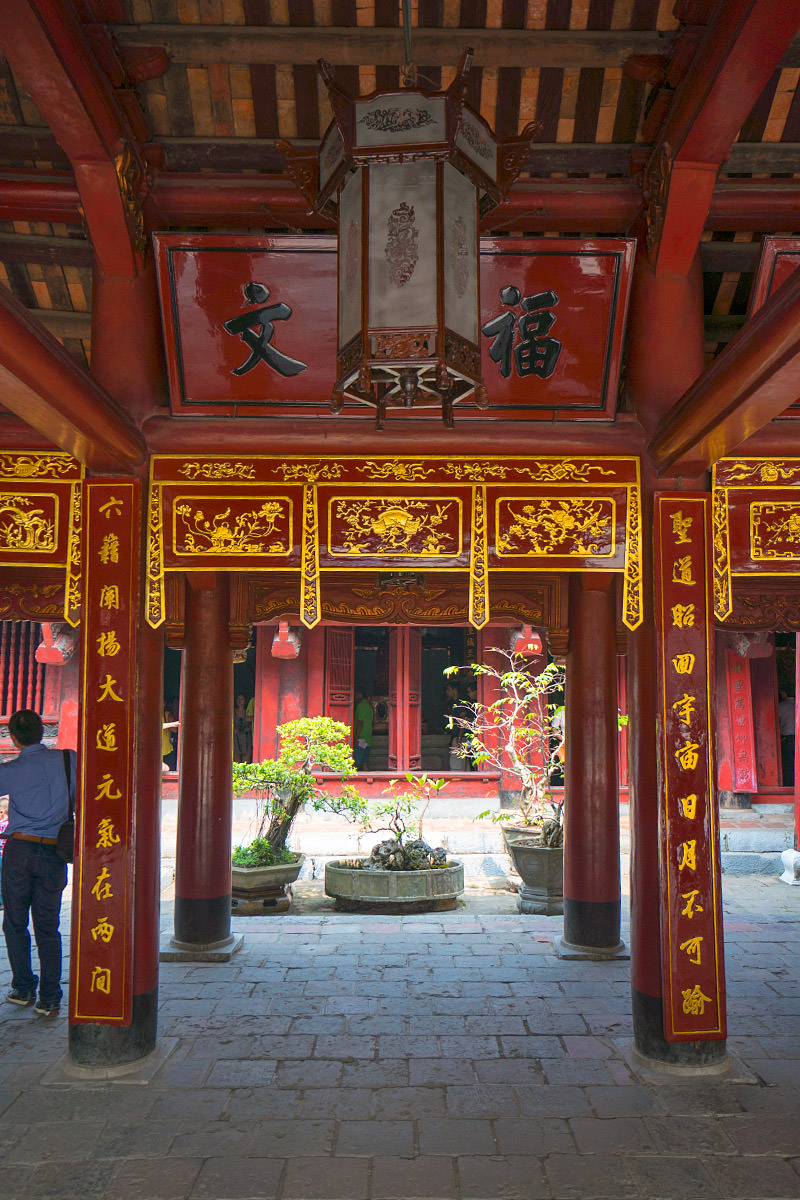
[[33, 874]]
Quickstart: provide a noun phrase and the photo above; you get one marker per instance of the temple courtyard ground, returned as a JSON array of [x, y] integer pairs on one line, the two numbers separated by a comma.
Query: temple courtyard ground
[[442, 1056]]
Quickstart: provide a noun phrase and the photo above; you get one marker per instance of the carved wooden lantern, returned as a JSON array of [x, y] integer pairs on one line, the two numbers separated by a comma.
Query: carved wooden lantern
[[407, 175]]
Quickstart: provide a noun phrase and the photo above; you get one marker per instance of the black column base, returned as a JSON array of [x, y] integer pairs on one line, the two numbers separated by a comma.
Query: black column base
[[203, 922], [591, 923], [649, 1040], [99, 1045]]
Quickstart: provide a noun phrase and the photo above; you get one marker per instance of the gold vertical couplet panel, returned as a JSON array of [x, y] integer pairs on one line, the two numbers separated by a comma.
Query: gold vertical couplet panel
[[723, 594], [478, 562], [155, 557], [632, 579], [310, 609]]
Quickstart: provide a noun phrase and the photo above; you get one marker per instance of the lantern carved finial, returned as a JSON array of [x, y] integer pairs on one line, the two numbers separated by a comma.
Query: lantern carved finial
[[407, 174]]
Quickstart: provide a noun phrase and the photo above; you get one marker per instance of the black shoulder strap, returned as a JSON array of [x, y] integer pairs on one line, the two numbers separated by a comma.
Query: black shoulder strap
[[69, 781]]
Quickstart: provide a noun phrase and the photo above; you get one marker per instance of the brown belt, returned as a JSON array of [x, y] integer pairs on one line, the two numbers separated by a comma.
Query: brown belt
[[32, 837]]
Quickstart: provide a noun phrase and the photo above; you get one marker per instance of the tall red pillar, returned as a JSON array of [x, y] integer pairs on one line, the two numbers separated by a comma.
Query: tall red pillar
[[666, 314], [592, 891], [205, 798]]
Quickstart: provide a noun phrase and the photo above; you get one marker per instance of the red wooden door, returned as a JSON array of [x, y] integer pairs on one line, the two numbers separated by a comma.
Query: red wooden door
[[413, 674], [339, 660], [395, 700]]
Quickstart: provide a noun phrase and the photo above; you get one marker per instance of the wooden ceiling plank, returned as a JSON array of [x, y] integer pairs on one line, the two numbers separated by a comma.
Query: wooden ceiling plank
[[22, 248], [369, 46], [751, 382]]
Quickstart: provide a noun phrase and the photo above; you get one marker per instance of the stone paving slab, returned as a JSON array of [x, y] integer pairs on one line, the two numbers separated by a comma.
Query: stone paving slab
[[444, 1057]]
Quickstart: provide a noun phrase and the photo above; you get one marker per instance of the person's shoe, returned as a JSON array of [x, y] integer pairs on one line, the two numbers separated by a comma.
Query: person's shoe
[[15, 996], [46, 1010]]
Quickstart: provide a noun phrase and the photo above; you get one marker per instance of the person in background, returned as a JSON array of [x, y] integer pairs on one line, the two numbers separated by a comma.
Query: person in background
[[3, 824], [33, 875], [242, 729], [787, 728], [169, 739], [362, 730]]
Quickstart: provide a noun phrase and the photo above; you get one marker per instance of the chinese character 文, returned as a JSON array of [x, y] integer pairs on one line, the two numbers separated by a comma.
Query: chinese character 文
[[109, 596], [687, 755], [688, 805], [534, 353], [682, 571], [101, 889], [680, 527], [682, 616], [104, 791], [688, 855], [107, 644], [109, 549], [694, 1001], [685, 708], [103, 930], [107, 691], [107, 736], [691, 904], [683, 663], [106, 834], [256, 330], [101, 980], [692, 949]]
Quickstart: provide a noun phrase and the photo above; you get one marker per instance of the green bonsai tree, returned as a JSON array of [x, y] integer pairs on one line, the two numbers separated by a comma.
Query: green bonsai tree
[[514, 734], [284, 785], [406, 806]]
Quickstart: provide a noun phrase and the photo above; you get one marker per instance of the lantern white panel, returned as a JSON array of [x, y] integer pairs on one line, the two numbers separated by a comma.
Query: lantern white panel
[[350, 222], [331, 154], [476, 142], [402, 245], [409, 118], [460, 254]]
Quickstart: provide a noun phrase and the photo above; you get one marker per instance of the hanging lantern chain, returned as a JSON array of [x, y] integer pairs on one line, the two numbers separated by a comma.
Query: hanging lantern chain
[[408, 73]]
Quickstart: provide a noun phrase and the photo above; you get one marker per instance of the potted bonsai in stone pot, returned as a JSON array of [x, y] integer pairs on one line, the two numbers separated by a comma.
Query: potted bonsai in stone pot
[[515, 734], [402, 871], [264, 868]]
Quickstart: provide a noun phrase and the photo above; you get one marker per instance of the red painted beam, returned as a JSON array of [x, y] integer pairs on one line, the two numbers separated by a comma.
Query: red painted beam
[[44, 43], [44, 386], [754, 380]]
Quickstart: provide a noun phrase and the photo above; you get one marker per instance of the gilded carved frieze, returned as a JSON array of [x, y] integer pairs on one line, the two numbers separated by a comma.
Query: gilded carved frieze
[[574, 527], [28, 522], [235, 527], [395, 527], [774, 531]]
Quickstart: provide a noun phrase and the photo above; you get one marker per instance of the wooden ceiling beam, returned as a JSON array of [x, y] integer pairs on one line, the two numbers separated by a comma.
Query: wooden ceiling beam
[[376, 47], [46, 47], [742, 47], [42, 384], [55, 251], [753, 380]]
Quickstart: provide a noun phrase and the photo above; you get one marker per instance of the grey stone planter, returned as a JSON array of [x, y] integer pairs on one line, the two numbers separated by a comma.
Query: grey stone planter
[[259, 890], [352, 888], [541, 869]]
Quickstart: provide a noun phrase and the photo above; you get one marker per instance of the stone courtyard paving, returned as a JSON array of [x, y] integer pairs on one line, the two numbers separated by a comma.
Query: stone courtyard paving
[[341, 1057]]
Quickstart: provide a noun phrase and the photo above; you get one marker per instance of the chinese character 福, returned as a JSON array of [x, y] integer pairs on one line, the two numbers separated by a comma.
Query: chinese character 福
[[534, 353]]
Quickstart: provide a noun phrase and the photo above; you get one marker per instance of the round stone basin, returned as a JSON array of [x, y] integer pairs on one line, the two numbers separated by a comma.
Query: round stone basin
[[353, 888]]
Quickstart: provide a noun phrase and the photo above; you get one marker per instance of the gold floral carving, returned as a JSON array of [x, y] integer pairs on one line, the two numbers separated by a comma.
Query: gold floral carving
[[156, 610], [222, 533], [31, 601], [657, 191], [632, 580], [397, 468], [311, 472], [720, 543], [208, 469], [774, 531], [25, 528], [38, 466], [133, 185], [758, 471], [570, 527], [398, 527], [478, 563], [73, 593], [310, 611], [560, 471]]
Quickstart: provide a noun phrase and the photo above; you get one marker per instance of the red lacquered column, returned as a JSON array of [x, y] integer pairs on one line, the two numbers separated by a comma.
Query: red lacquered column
[[205, 805], [591, 809]]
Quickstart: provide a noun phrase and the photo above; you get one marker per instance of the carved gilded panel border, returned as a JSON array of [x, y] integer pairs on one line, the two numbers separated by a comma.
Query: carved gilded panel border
[[756, 523], [314, 516], [40, 517]]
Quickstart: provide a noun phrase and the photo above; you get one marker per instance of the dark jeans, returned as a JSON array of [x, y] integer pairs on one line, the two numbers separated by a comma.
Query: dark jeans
[[32, 882]]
